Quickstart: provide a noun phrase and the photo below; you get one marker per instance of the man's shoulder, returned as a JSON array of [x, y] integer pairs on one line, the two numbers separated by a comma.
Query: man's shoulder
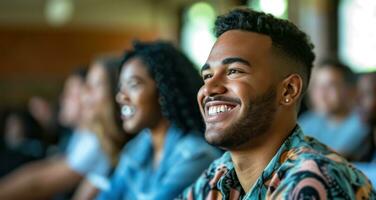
[[309, 149], [312, 164]]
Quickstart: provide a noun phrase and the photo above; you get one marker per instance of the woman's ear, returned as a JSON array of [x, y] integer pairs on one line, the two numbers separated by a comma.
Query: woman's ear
[[291, 89]]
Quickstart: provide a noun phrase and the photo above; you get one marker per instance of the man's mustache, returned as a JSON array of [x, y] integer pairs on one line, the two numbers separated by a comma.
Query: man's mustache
[[220, 98]]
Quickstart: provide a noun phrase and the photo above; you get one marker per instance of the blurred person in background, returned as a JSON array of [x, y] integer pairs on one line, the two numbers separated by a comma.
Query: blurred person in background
[[21, 140], [22, 133], [92, 150], [158, 85], [333, 119], [101, 114], [69, 114], [367, 108], [34, 181], [44, 113]]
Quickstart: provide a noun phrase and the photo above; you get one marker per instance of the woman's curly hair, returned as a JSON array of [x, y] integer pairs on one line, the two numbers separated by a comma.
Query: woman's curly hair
[[176, 79]]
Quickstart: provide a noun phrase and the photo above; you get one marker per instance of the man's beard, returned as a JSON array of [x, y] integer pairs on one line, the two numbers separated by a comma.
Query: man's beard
[[255, 122]]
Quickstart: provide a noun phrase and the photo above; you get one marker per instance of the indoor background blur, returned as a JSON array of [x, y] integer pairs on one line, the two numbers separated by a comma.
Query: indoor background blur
[[43, 41]]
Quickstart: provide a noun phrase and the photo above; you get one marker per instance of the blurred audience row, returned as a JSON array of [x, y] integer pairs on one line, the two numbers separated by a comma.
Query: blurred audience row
[[342, 113], [133, 118], [130, 127]]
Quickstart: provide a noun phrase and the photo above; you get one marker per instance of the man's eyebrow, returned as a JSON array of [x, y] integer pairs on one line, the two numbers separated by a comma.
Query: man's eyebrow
[[231, 60], [227, 61], [206, 66]]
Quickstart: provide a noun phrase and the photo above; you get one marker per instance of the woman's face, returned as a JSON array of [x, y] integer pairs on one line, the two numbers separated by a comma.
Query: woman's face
[[138, 97], [70, 111], [97, 94]]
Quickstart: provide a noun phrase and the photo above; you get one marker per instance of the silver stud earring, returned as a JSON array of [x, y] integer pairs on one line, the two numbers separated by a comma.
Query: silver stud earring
[[287, 100]]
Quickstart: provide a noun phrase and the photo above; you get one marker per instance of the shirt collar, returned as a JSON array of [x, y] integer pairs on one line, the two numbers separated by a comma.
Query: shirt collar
[[144, 147], [292, 141], [230, 179]]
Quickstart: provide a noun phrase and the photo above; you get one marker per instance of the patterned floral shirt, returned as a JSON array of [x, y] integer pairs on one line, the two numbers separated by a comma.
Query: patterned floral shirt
[[302, 168]]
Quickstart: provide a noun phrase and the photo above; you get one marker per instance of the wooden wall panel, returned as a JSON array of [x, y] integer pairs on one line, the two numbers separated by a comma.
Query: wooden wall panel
[[36, 61]]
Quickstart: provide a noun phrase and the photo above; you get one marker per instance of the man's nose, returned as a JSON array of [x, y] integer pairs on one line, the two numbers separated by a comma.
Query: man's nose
[[214, 86]]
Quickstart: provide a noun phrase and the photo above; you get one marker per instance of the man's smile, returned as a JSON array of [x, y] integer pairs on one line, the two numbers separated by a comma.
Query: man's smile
[[219, 108]]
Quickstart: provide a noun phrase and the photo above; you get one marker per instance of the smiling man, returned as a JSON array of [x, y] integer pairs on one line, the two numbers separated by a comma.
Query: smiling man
[[254, 79]]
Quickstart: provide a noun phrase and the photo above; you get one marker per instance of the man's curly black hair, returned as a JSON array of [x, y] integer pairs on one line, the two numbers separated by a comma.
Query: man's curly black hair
[[284, 35], [176, 79]]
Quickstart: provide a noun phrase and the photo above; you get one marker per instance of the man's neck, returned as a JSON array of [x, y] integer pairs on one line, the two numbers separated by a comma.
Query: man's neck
[[250, 163]]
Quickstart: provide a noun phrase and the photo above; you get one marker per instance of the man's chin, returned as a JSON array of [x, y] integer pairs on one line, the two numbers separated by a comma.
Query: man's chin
[[216, 138]]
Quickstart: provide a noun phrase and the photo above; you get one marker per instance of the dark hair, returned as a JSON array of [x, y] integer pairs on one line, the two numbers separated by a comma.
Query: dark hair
[[176, 79], [332, 63], [285, 35]]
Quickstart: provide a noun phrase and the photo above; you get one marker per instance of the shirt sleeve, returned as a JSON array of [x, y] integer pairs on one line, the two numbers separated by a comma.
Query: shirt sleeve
[[100, 182], [368, 169], [116, 188], [317, 179], [86, 156]]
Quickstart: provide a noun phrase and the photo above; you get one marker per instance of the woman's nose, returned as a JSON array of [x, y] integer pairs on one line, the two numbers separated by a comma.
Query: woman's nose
[[121, 97]]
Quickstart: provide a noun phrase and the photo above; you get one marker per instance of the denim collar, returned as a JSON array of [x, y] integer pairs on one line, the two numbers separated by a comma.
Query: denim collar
[[143, 155]]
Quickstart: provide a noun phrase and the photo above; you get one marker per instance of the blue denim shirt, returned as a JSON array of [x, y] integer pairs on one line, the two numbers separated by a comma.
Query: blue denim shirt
[[185, 157]]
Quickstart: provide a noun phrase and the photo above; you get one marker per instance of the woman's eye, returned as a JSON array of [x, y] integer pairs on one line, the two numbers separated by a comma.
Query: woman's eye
[[206, 76], [133, 85]]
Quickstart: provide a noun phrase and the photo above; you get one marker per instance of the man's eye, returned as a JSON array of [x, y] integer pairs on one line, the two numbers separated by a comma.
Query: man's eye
[[233, 71], [206, 76]]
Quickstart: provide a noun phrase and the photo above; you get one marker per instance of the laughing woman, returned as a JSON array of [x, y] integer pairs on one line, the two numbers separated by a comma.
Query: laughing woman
[[158, 87]]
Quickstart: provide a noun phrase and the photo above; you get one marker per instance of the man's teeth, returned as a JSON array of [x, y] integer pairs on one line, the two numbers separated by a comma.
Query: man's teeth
[[213, 110]]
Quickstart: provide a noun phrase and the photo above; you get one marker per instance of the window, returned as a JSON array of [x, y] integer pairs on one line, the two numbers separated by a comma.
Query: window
[[278, 8], [197, 37], [357, 34]]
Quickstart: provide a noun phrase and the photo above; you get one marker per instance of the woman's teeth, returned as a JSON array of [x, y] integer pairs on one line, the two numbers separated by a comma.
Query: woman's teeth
[[127, 111], [214, 110]]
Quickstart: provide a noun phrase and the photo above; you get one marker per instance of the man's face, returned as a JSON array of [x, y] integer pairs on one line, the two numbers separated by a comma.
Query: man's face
[[238, 98], [328, 90], [367, 99]]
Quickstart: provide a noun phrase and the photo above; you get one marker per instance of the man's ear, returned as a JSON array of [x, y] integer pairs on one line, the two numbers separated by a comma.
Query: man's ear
[[291, 89]]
